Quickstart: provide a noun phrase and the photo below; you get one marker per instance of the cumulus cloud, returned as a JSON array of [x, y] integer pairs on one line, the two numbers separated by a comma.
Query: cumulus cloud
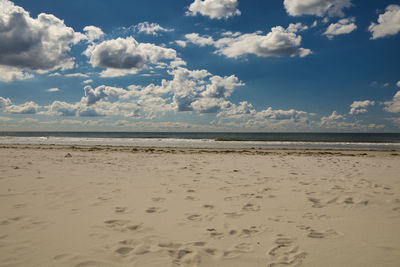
[[221, 87], [388, 23], [124, 56], [398, 84], [214, 9], [26, 108], [6, 106], [39, 44], [62, 109], [94, 95], [358, 107], [240, 111], [209, 105], [331, 120], [277, 43], [190, 87], [196, 39], [151, 28], [343, 26], [394, 105], [10, 74], [93, 33], [279, 114], [4, 102], [318, 8]]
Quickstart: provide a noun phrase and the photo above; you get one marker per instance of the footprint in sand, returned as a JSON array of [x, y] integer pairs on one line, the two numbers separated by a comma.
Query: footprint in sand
[[285, 253], [124, 250], [237, 250], [131, 246], [158, 199], [311, 233], [190, 198], [251, 207], [123, 225], [195, 217], [326, 234], [316, 203], [155, 210], [230, 230], [120, 209], [252, 231]]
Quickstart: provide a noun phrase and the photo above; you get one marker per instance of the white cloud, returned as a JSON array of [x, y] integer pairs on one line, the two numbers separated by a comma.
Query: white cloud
[[94, 95], [388, 23], [88, 81], [394, 105], [335, 116], [240, 111], [126, 56], [209, 105], [277, 43], [358, 107], [221, 87], [196, 39], [62, 109], [343, 26], [181, 43], [6, 106], [38, 44], [81, 75], [398, 84], [331, 120], [5, 119], [93, 33], [318, 8], [214, 9], [10, 74], [53, 90], [151, 28], [231, 34], [26, 108], [4, 102], [279, 114]]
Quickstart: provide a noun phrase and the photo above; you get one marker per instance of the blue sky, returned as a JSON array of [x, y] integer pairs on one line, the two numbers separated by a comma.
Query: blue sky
[[200, 65]]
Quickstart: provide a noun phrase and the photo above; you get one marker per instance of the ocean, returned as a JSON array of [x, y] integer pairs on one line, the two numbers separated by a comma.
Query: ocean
[[334, 141]]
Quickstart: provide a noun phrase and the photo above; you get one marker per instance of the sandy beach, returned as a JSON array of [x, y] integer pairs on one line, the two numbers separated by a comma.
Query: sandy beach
[[121, 206]]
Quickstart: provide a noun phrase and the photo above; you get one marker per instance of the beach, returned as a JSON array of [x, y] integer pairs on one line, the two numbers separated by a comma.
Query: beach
[[130, 206]]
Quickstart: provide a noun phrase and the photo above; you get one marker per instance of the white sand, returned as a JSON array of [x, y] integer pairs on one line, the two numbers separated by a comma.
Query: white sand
[[193, 208]]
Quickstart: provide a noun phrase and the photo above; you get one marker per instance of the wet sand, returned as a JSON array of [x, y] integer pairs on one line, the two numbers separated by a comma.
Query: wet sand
[[123, 206]]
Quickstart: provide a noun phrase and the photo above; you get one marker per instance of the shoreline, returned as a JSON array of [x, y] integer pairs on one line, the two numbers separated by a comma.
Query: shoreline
[[185, 150]]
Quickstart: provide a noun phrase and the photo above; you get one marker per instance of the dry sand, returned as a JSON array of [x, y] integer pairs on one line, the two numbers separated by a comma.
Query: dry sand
[[63, 206]]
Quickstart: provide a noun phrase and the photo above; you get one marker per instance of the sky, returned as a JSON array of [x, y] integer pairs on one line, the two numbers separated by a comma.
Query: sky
[[200, 65]]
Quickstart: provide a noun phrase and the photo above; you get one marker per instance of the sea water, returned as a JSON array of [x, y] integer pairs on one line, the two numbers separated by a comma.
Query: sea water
[[338, 141]]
